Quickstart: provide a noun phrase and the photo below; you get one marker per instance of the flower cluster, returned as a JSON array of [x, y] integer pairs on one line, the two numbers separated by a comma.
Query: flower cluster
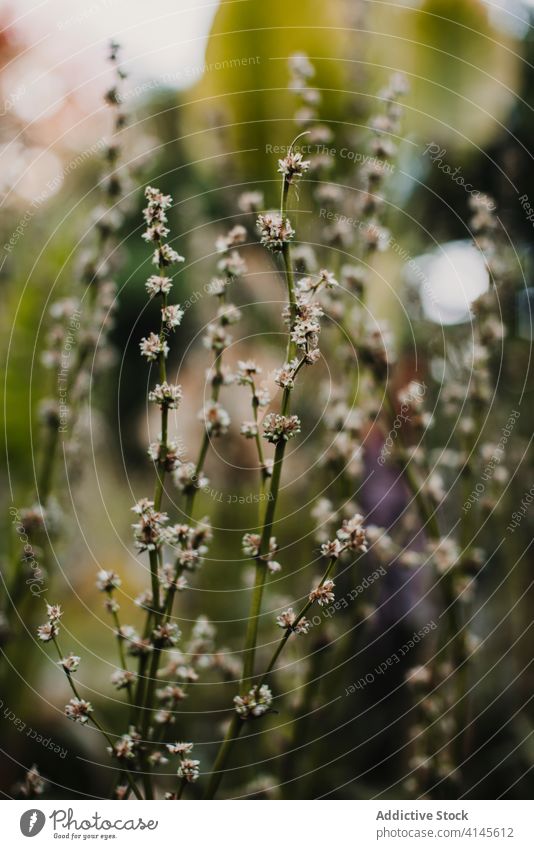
[[293, 166], [79, 710], [277, 428], [275, 232], [166, 395], [50, 629], [150, 532], [256, 702], [251, 544], [323, 593], [288, 621]]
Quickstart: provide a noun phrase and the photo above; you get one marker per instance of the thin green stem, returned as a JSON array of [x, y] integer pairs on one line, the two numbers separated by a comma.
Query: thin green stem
[[95, 722], [234, 730], [278, 651]]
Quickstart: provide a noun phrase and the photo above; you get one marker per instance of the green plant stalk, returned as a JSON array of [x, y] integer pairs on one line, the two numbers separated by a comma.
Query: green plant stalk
[[95, 722], [278, 651], [216, 776], [236, 723], [270, 512], [216, 384]]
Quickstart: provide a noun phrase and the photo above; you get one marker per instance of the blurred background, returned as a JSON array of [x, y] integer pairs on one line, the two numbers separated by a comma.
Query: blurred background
[[206, 100]]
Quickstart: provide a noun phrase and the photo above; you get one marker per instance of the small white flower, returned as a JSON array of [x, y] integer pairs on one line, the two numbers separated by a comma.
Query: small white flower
[[180, 748], [78, 710], [275, 233], [166, 395], [189, 770], [255, 703], [172, 316], [323, 594], [106, 581], [216, 419], [70, 663], [164, 255], [153, 346], [278, 428]]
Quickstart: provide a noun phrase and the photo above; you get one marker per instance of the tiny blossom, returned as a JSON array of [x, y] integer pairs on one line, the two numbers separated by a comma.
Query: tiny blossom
[[254, 703], [264, 396], [70, 663], [232, 264], [166, 634], [435, 487], [167, 456], [186, 479], [327, 278], [54, 613], [168, 578], [277, 428], [107, 581], [293, 166], [145, 505], [273, 566], [33, 784], [180, 748], [164, 256], [331, 548], [216, 337], [352, 534], [152, 346], [251, 545], [47, 632], [144, 600], [284, 377], [124, 748], [246, 370], [139, 646], [228, 314], [236, 236], [250, 201], [249, 430], [156, 198], [223, 376], [187, 673], [166, 395], [215, 418], [419, 675], [122, 678], [155, 233], [189, 770], [287, 620], [78, 710], [164, 717], [172, 694], [445, 553], [172, 316], [275, 233], [323, 594], [300, 65], [218, 286], [148, 532]]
